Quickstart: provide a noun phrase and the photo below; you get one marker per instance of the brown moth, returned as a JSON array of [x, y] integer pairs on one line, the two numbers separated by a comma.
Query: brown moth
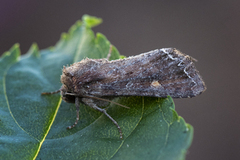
[[157, 73]]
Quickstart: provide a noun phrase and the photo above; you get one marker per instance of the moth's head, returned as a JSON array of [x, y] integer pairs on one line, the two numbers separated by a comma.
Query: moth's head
[[65, 96], [67, 79], [67, 86]]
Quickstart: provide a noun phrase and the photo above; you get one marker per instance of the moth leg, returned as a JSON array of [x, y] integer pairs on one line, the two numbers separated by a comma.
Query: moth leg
[[77, 102], [109, 52], [45, 93], [90, 103]]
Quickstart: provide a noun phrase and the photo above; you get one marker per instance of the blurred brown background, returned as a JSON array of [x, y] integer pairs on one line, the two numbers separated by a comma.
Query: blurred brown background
[[207, 30]]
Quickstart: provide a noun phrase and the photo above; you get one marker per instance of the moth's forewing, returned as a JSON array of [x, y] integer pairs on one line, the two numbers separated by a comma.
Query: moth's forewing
[[156, 73]]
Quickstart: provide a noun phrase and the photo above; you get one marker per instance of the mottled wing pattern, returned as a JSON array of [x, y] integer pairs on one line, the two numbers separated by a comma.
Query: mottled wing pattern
[[156, 73]]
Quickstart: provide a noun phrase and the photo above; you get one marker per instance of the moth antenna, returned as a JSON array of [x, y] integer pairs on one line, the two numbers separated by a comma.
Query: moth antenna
[[46, 93], [102, 99]]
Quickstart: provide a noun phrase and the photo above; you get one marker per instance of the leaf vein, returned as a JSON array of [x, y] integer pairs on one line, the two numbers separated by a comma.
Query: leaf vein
[[167, 135], [7, 102]]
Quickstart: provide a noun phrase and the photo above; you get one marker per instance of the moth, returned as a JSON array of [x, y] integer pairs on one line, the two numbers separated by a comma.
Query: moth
[[158, 73]]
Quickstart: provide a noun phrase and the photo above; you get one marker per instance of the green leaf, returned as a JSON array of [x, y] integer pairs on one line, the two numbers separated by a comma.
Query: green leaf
[[33, 126]]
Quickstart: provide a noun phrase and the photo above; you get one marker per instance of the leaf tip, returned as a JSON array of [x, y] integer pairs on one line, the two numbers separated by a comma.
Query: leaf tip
[[64, 36], [15, 50], [16, 45], [34, 51], [12, 55], [91, 21]]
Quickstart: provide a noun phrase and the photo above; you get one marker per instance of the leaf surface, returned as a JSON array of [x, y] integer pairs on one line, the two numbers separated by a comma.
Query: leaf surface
[[33, 126]]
